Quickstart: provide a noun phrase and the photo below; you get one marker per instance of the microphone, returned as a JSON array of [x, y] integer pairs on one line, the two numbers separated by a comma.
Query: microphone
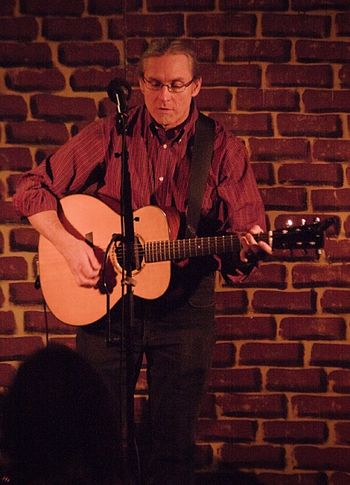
[[119, 92]]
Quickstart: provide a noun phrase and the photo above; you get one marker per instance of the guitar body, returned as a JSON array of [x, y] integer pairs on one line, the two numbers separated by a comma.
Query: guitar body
[[88, 218], [91, 220]]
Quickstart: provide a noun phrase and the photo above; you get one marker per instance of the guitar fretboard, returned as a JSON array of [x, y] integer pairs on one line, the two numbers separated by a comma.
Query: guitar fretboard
[[188, 248]]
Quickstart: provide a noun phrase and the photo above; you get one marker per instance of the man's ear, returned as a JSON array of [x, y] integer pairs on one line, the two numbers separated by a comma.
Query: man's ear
[[197, 84]]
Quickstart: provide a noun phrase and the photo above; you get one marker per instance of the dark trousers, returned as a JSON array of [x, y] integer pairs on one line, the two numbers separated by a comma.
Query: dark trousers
[[178, 347]]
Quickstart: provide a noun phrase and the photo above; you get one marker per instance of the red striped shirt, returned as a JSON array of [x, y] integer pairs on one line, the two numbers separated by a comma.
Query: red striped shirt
[[159, 170]]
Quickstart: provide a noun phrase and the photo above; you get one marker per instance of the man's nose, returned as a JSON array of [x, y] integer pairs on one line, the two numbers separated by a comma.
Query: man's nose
[[164, 92]]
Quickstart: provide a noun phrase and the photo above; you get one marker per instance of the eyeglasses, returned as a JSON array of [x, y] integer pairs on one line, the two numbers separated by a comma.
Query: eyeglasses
[[173, 87]]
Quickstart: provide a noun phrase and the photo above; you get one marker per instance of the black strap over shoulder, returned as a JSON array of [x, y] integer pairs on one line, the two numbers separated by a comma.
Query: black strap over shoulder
[[201, 158]]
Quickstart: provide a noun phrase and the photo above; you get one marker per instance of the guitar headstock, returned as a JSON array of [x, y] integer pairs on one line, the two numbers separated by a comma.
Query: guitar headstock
[[305, 236]]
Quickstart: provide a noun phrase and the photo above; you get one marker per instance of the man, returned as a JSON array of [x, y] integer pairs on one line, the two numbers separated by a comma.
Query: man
[[175, 331]]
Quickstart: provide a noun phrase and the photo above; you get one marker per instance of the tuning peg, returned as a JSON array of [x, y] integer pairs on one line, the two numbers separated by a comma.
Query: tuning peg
[[317, 219], [303, 222], [289, 223]]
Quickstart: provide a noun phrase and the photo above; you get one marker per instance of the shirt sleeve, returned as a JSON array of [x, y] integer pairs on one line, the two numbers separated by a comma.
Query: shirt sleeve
[[63, 173], [236, 198]]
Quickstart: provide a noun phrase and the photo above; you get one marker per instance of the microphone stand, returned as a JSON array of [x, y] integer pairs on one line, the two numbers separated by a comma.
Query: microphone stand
[[118, 95]]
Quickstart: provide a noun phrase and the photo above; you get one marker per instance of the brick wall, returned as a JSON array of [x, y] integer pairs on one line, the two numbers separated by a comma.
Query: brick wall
[[277, 73]]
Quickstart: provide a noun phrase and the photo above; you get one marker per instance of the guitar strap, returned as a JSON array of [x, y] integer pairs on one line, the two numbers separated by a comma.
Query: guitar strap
[[201, 158]]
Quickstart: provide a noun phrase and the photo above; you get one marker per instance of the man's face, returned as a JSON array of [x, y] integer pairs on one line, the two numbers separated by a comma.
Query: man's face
[[169, 109]]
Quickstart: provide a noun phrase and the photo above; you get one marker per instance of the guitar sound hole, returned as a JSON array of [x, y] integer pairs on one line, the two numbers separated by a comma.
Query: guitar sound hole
[[137, 256]]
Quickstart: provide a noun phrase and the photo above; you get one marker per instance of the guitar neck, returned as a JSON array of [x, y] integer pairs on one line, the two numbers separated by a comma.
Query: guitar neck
[[155, 251]]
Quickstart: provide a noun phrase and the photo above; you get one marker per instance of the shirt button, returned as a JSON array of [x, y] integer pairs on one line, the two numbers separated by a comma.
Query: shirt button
[[165, 146], [161, 179]]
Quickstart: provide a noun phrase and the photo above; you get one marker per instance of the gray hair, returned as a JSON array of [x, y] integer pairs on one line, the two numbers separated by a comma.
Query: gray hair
[[161, 47]]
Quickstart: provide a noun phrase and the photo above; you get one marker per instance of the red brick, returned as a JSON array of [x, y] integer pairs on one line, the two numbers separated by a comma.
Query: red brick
[[340, 380], [305, 5], [311, 174], [214, 100], [231, 302], [254, 5], [110, 7], [298, 75], [68, 341], [37, 132], [296, 380], [92, 79], [328, 407], [330, 355], [257, 50], [7, 373], [279, 149], [13, 268], [19, 29], [35, 80], [330, 458], [231, 75], [7, 323], [24, 239], [347, 230], [1, 242], [235, 380], [2, 298], [322, 51], [61, 108], [53, 7], [332, 150], [12, 108], [295, 431], [35, 321], [340, 478], [35, 54], [253, 456], [145, 25], [8, 213], [103, 54], [25, 294], [267, 276], [292, 478], [223, 429], [306, 276], [313, 328], [309, 125], [263, 173], [223, 354], [17, 348], [207, 407], [134, 49], [86, 28], [336, 301], [344, 76], [266, 301], [171, 5], [282, 198], [284, 25], [326, 101], [242, 328], [267, 99], [271, 354], [7, 7], [15, 158], [342, 433], [12, 181], [246, 124], [257, 405], [333, 200], [226, 24]]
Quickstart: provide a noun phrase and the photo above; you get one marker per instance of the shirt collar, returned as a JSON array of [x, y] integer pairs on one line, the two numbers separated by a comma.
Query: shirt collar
[[174, 134]]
